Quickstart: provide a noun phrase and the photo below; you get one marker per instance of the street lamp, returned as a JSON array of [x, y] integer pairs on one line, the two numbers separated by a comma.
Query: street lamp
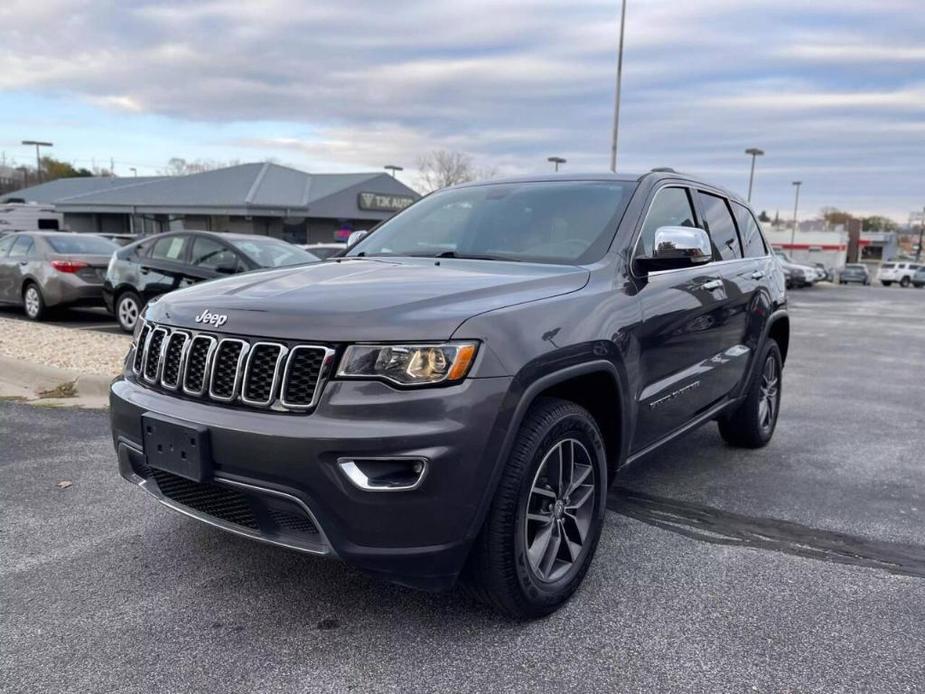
[[557, 161], [755, 152], [393, 169], [796, 203], [133, 170], [38, 159], [616, 101]]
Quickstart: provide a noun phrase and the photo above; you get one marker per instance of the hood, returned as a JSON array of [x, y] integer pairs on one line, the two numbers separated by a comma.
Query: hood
[[365, 299]]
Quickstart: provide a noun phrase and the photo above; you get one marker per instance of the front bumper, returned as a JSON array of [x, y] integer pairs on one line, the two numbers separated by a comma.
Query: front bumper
[[419, 537]]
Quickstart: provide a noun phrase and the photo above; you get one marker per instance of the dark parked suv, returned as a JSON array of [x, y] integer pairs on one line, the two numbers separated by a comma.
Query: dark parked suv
[[159, 264], [453, 397]]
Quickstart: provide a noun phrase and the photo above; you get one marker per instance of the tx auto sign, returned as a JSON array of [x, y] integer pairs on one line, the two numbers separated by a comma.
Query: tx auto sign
[[379, 202]]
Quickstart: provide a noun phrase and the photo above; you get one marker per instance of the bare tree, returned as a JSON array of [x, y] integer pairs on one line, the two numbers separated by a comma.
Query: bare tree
[[441, 168], [177, 166]]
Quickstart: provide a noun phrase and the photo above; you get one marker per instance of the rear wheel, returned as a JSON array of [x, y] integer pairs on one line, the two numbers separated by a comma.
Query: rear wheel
[[752, 423], [33, 302], [545, 521], [885, 283], [128, 309]]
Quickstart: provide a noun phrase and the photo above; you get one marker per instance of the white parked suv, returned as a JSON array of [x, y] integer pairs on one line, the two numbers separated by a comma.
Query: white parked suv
[[897, 272]]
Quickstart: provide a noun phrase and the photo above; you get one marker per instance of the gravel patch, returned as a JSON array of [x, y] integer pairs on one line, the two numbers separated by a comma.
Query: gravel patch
[[83, 350]]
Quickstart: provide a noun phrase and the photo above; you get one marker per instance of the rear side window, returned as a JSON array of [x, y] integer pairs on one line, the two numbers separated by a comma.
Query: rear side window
[[169, 248], [749, 231], [22, 247], [212, 255], [887, 266], [5, 244], [722, 229], [670, 208]]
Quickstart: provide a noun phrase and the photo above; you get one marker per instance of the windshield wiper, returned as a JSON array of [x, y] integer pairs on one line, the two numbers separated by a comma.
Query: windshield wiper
[[472, 256]]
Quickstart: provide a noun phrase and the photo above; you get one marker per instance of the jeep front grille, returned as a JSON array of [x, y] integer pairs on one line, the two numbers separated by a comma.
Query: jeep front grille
[[260, 374]]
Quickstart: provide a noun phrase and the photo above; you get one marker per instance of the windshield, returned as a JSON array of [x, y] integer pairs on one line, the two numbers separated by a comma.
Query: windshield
[[77, 244], [271, 252], [546, 222]]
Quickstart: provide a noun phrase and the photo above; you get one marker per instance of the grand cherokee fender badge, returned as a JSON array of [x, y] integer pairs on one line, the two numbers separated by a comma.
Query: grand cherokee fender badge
[[215, 319]]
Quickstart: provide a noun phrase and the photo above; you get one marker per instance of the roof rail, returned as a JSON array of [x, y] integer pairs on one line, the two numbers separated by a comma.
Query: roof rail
[[663, 169]]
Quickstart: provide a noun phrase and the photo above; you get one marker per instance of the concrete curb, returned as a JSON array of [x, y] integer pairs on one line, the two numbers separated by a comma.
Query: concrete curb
[[28, 377]]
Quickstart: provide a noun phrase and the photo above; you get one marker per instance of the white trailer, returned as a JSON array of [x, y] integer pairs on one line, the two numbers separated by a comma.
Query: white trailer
[[29, 216]]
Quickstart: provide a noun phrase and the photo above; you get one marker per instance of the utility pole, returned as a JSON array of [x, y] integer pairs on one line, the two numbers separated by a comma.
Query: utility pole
[[796, 204], [755, 152], [38, 158], [616, 103]]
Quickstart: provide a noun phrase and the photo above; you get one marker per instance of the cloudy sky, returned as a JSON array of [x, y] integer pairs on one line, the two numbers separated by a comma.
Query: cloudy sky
[[832, 90]]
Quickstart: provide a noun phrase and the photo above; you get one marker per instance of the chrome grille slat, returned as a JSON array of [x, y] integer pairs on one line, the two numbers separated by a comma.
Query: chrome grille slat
[[196, 367], [262, 373], [138, 358], [306, 369], [231, 370], [154, 353], [174, 351], [227, 364]]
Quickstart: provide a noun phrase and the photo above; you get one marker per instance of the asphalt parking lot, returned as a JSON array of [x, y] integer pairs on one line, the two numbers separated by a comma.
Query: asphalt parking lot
[[799, 567]]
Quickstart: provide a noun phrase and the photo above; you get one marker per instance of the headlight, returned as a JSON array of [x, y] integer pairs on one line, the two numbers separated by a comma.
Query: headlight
[[409, 365]]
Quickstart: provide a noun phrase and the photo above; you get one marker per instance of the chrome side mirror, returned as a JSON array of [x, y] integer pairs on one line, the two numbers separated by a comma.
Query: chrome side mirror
[[355, 237], [678, 247]]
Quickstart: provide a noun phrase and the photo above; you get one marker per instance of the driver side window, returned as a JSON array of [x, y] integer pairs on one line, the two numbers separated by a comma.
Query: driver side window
[[671, 207]]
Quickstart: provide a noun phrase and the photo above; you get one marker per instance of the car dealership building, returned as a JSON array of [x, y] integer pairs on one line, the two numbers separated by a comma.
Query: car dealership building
[[260, 198]]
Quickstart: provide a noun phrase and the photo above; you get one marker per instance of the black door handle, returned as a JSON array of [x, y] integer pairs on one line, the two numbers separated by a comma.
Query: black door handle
[[145, 270], [23, 262]]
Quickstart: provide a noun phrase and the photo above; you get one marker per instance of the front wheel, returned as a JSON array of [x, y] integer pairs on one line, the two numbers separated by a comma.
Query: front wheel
[[752, 423], [545, 520], [905, 282]]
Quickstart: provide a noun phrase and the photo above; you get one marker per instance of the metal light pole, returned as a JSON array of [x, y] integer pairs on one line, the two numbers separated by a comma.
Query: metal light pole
[[918, 252], [755, 152], [133, 170], [796, 204], [393, 168], [616, 101], [38, 158], [557, 161]]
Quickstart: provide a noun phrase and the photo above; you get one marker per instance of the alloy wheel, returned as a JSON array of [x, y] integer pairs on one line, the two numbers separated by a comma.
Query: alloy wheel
[[128, 312], [33, 302], [560, 510], [768, 398]]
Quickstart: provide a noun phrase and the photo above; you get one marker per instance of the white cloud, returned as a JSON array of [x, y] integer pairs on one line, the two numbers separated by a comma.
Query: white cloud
[[833, 88]]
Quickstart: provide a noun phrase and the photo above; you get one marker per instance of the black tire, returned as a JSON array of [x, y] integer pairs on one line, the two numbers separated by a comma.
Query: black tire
[[886, 284], [33, 302], [750, 425], [128, 309], [500, 572], [905, 282]]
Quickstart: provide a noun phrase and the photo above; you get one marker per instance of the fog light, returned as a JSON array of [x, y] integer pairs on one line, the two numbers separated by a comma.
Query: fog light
[[384, 474]]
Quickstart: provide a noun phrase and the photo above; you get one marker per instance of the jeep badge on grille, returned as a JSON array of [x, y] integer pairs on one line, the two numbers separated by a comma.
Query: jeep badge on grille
[[214, 319]]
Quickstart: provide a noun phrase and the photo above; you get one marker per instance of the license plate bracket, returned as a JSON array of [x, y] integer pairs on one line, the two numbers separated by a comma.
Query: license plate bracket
[[178, 447]]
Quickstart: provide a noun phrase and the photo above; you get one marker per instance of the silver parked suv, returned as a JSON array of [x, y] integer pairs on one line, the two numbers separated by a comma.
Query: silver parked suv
[[40, 270]]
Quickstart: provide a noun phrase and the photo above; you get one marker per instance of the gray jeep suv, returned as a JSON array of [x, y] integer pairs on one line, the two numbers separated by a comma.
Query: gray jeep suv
[[452, 398]]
